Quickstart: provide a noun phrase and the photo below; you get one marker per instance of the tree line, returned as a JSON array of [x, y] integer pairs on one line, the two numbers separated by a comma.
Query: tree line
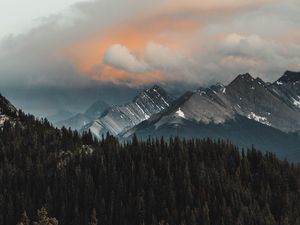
[[79, 180]]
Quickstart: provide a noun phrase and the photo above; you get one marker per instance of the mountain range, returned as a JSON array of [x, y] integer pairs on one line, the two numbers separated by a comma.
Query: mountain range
[[118, 119], [275, 105], [247, 111], [77, 121]]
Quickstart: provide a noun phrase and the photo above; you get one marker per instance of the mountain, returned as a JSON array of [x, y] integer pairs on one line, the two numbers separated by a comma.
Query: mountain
[[141, 182], [247, 111], [96, 109], [287, 88], [241, 131], [75, 122], [117, 119], [255, 99], [289, 77], [7, 110], [79, 120], [60, 115]]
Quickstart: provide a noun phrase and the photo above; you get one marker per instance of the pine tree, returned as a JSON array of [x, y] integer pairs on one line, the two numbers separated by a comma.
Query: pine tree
[[94, 220], [43, 218], [24, 219], [205, 215]]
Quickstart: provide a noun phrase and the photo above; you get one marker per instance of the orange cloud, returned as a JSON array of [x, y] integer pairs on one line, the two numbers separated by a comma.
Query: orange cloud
[[110, 74], [172, 24], [134, 35]]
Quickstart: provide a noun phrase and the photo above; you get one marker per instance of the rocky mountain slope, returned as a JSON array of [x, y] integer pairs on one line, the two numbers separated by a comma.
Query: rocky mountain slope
[[121, 118], [270, 104], [247, 111], [7, 110], [60, 115], [265, 103], [79, 120], [96, 109]]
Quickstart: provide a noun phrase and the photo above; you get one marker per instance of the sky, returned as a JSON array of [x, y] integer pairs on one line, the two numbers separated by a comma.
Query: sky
[[66, 54]]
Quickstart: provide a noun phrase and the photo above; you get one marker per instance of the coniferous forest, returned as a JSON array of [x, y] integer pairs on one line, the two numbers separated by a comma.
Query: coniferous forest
[[79, 181]]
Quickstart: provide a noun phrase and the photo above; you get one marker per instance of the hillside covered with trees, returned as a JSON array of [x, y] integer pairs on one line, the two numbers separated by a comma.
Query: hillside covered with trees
[[149, 182]]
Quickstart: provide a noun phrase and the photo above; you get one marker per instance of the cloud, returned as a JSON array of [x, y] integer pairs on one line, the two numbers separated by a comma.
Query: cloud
[[120, 57], [162, 57], [154, 61], [141, 41], [239, 53]]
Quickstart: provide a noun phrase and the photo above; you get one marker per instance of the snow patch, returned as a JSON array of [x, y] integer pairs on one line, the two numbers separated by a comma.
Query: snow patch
[[279, 83], [167, 104], [259, 119], [180, 113], [296, 102], [145, 114], [3, 118]]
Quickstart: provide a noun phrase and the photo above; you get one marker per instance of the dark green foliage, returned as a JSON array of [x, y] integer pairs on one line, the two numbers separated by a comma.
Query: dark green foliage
[[44, 219], [24, 219], [94, 220], [152, 182]]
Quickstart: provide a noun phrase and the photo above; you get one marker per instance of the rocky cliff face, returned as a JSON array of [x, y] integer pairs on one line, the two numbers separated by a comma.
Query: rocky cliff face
[[120, 118]]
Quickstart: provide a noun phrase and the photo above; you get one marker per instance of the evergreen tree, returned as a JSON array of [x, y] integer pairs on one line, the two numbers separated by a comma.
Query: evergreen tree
[[94, 220], [43, 218], [24, 219]]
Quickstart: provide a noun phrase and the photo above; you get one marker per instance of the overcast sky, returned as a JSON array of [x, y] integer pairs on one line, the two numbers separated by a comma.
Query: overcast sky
[[129, 44], [17, 16]]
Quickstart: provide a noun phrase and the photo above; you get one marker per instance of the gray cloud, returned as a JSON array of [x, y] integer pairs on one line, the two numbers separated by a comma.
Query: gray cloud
[[263, 39]]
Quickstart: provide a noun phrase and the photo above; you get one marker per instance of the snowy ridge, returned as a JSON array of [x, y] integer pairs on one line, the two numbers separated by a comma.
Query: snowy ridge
[[296, 102], [276, 105], [180, 113], [121, 118], [7, 111], [3, 119], [259, 119]]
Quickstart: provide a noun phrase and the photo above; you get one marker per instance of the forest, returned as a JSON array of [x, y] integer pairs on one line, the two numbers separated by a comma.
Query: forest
[[52, 176]]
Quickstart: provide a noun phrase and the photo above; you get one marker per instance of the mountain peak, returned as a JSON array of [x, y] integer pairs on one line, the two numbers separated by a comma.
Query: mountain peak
[[121, 118], [289, 76], [96, 109], [155, 92], [245, 76], [6, 107], [242, 80], [156, 88], [218, 87]]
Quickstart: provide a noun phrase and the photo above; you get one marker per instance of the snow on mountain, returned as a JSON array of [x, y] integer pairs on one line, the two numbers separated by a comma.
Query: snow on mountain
[[268, 102], [247, 97], [287, 87], [296, 102], [180, 113], [247, 111], [3, 119], [259, 119], [120, 118]]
